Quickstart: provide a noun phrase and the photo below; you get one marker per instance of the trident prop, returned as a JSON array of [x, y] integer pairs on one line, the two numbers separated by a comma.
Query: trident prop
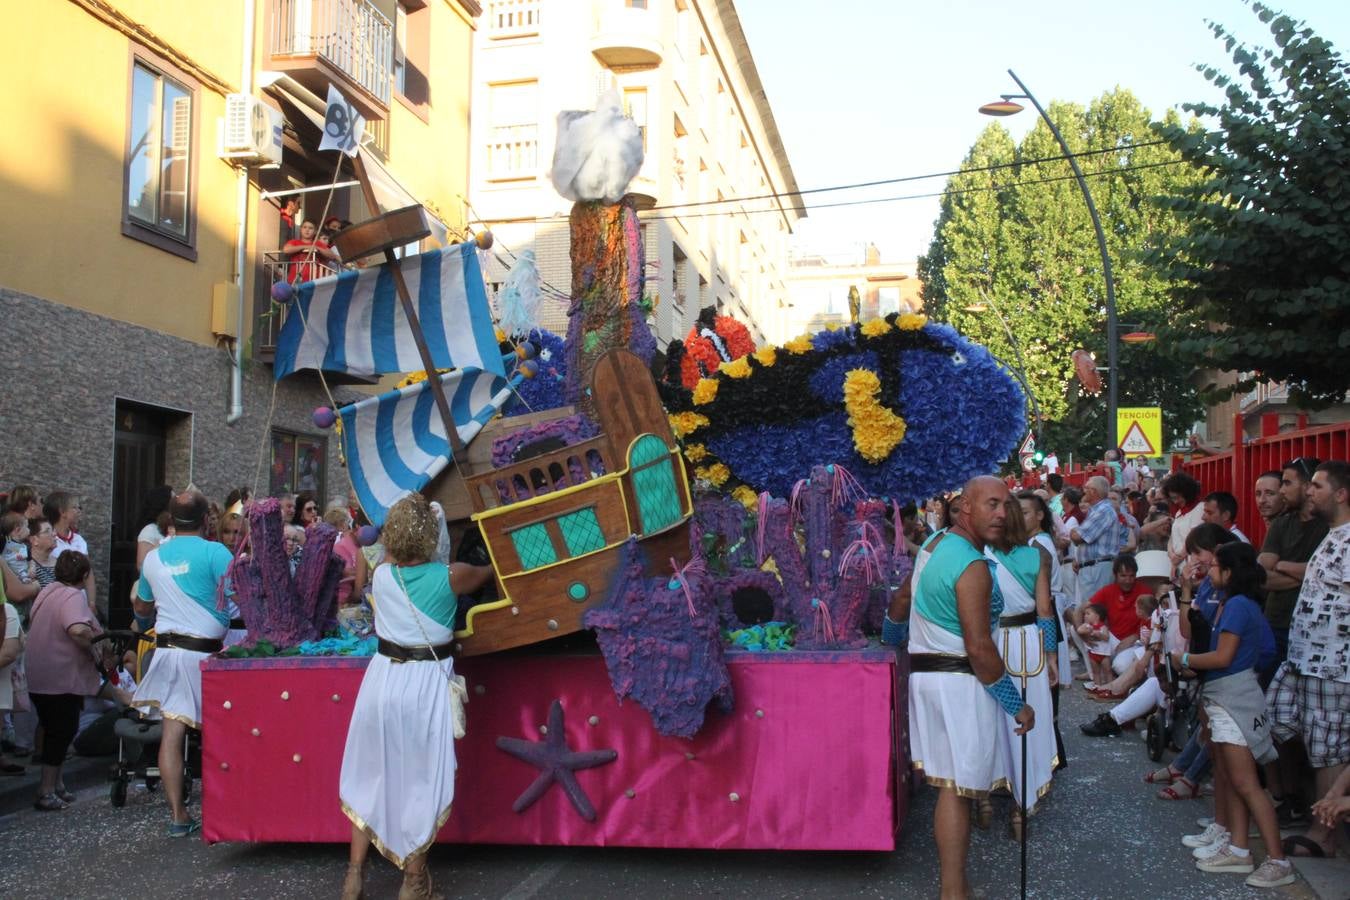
[[1025, 674]]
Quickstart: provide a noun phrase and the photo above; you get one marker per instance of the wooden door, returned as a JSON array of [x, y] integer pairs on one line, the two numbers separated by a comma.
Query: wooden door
[[138, 466]]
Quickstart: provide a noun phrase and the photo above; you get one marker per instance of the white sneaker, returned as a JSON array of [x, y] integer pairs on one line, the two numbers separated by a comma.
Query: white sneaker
[[1226, 861], [1209, 851], [1272, 873], [1212, 833]]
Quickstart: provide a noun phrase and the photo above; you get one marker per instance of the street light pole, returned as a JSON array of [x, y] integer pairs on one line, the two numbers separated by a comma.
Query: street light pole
[[1112, 396]]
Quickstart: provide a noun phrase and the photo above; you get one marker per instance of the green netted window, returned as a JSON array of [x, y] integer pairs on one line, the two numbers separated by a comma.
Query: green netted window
[[581, 532], [653, 475], [533, 546]]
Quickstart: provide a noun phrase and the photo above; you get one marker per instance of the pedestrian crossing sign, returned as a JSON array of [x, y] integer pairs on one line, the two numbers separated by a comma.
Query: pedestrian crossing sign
[[1140, 430]]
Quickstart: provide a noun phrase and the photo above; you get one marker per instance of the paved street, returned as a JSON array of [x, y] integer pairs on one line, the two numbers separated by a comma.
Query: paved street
[[1101, 834]]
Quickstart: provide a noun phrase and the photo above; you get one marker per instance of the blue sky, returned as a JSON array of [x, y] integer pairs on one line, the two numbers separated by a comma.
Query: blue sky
[[873, 89]]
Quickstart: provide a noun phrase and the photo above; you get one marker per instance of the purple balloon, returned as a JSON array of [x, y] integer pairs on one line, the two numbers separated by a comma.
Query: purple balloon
[[367, 535], [324, 417], [282, 292]]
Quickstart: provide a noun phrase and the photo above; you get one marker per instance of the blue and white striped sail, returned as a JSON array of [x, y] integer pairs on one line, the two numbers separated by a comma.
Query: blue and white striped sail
[[353, 322], [395, 442]]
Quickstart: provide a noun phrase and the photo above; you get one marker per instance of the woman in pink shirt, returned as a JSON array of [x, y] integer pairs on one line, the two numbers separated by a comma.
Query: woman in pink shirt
[[353, 583], [61, 669]]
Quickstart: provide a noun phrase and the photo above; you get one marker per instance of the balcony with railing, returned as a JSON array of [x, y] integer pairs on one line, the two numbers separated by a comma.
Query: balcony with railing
[[1266, 393], [513, 152], [347, 42], [627, 35], [270, 316], [512, 19]]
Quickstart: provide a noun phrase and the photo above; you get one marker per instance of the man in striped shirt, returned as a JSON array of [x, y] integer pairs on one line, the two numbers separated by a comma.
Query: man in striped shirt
[[1097, 539]]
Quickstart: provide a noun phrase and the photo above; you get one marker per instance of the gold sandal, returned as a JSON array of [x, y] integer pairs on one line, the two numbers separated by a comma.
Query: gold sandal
[[417, 886]]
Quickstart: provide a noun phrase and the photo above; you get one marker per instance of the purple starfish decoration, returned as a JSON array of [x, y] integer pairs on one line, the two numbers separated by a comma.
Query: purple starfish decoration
[[557, 762]]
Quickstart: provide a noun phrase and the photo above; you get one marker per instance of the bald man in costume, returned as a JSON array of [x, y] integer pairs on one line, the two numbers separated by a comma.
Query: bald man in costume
[[958, 687]]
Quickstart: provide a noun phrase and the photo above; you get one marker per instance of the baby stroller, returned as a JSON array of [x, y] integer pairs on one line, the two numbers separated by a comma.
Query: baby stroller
[[1170, 725], [138, 735]]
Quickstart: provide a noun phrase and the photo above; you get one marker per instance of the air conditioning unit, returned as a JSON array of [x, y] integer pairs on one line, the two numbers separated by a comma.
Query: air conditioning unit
[[251, 130]]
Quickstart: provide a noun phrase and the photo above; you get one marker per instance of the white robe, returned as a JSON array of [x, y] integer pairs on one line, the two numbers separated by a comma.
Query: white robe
[[951, 716], [1021, 649], [398, 768]]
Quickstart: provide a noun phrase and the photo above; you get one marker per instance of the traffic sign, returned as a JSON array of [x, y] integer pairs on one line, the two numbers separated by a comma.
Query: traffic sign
[[1028, 464], [1028, 445], [1141, 430], [1136, 442]]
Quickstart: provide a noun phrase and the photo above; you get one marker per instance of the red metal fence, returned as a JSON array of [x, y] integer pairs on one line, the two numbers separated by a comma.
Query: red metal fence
[[1237, 471]]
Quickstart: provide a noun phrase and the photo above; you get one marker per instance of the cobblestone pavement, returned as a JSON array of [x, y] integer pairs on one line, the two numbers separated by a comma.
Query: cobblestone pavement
[[1100, 833]]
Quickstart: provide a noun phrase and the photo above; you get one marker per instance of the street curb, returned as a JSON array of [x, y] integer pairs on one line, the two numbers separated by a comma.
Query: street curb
[[17, 791]]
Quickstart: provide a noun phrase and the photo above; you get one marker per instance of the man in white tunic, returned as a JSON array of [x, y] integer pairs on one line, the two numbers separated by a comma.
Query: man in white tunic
[[180, 583], [959, 689]]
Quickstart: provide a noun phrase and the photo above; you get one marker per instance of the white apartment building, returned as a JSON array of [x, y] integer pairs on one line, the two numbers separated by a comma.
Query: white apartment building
[[819, 285], [685, 73]]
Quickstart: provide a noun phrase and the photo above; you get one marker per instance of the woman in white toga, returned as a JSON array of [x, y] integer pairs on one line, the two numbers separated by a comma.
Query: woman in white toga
[[398, 769]]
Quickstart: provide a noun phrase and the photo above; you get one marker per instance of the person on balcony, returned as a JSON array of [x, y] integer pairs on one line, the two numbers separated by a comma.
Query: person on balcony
[[310, 256]]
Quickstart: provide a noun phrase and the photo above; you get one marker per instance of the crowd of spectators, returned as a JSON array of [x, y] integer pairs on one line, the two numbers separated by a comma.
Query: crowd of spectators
[[61, 688], [1258, 639], [1163, 596]]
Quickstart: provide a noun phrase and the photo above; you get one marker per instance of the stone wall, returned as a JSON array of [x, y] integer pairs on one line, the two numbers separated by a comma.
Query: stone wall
[[63, 372]]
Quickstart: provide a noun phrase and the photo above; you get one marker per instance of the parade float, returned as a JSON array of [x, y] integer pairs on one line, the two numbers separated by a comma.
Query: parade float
[[676, 651]]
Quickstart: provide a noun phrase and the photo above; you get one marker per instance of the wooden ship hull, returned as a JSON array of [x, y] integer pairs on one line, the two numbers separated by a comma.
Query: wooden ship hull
[[554, 524]]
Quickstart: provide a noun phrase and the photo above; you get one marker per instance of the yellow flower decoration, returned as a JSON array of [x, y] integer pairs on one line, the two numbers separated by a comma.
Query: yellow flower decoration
[[737, 368], [876, 430], [912, 321], [800, 344], [695, 452], [705, 391], [746, 496], [875, 327], [770, 565], [718, 474], [687, 423], [416, 377], [767, 356]]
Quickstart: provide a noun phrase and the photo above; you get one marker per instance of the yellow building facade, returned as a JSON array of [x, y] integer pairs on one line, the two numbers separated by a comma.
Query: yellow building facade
[[121, 279]]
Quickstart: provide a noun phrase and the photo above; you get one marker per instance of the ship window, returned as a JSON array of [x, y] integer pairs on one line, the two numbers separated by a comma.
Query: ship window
[[653, 478], [533, 546]]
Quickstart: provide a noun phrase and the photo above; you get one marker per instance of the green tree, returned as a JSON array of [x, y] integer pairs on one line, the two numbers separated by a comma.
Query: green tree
[[1020, 240], [1264, 266]]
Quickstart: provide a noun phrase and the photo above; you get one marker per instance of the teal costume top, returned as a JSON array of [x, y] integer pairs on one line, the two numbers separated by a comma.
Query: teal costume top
[[935, 596], [1024, 563], [428, 586]]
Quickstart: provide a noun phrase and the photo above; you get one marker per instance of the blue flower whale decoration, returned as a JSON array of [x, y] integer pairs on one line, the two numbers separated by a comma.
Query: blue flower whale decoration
[[962, 411]]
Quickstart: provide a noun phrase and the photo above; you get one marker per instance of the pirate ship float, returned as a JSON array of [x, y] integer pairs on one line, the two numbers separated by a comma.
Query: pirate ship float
[[586, 512]]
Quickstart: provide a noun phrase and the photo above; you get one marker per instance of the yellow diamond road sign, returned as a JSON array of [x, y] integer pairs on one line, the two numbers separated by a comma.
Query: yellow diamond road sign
[[1139, 430]]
